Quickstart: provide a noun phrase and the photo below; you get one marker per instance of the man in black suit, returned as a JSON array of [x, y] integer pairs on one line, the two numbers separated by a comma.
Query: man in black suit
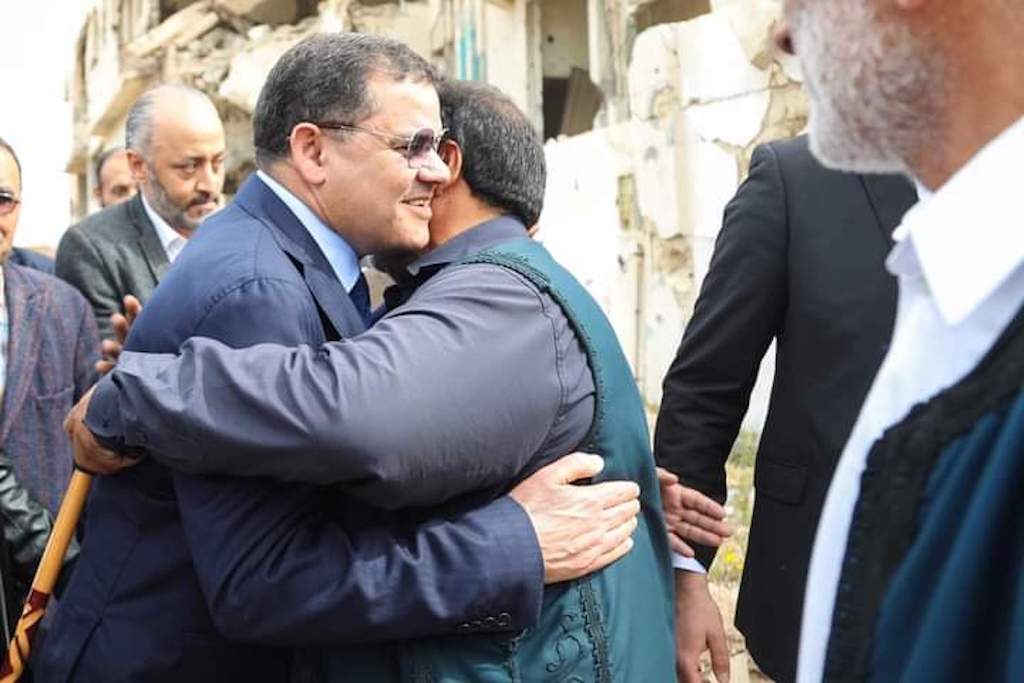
[[175, 148], [799, 259]]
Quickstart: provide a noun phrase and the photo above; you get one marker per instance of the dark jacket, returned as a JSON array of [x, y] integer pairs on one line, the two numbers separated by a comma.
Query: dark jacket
[[112, 253], [26, 529], [799, 260], [31, 259], [50, 364], [179, 570], [503, 363]]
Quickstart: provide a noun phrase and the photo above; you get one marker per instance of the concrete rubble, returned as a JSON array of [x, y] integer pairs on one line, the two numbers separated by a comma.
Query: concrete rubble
[[633, 205]]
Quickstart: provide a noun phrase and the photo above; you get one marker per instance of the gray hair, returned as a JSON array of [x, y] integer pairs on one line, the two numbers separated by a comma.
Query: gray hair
[[138, 127], [323, 76]]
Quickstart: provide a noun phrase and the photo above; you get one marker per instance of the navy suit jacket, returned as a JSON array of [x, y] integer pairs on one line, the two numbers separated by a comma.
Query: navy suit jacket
[[180, 570]]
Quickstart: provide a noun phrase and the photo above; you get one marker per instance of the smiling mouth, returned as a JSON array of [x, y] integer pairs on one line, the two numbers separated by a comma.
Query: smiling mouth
[[422, 202]]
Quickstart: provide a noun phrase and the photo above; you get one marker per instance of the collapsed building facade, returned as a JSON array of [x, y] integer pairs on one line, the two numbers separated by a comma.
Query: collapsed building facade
[[651, 111]]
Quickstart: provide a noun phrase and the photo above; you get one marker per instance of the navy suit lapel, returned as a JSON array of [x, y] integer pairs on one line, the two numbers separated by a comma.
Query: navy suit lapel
[[890, 197], [260, 201], [24, 319], [149, 242]]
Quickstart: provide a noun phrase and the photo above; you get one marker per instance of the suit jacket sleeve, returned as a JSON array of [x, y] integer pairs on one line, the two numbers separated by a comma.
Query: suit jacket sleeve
[[87, 345], [739, 310], [277, 567], [453, 392], [80, 264]]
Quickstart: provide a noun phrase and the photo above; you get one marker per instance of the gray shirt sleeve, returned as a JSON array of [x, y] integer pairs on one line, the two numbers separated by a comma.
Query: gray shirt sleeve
[[453, 392]]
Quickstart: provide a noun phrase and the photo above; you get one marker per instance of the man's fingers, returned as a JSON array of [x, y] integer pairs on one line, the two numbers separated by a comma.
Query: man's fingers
[[613, 554], [693, 533], [679, 546], [692, 499], [110, 348], [666, 478], [132, 308], [573, 467], [619, 515], [688, 669], [613, 493], [120, 325], [103, 367], [715, 526], [719, 654]]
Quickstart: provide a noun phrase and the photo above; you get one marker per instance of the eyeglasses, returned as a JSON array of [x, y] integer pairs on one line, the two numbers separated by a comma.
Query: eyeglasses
[[8, 202], [419, 149]]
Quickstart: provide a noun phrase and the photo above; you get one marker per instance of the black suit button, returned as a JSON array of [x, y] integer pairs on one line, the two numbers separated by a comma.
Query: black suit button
[[491, 622], [463, 628]]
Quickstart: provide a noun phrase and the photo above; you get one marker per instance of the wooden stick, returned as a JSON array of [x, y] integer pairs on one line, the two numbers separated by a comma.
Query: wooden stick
[[46, 576]]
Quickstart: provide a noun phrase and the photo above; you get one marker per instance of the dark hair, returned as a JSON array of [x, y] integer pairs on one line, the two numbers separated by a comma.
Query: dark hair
[[14, 155], [325, 76], [502, 156], [102, 160]]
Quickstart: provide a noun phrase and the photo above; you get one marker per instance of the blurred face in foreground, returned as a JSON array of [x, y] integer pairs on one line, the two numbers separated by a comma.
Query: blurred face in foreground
[[876, 85]]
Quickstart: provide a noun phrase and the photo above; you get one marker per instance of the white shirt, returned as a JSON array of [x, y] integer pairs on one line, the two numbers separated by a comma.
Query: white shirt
[[959, 259], [339, 254], [171, 240]]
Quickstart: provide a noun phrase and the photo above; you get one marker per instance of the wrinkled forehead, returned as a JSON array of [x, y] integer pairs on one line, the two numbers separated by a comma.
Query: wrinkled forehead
[[10, 178]]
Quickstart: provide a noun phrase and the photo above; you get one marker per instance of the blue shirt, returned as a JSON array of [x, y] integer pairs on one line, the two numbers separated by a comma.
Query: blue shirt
[[342, 258]]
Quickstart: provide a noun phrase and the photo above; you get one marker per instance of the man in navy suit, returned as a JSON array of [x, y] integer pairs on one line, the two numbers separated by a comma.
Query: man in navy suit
[[179, 569]]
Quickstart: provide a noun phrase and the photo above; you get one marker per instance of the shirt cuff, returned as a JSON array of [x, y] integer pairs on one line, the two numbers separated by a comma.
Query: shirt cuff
[[688, 564]]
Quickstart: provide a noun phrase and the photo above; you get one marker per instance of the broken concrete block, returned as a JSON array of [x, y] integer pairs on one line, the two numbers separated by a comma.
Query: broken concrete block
[[248, 72], [712, 64], [192, 21], [273, 12], [753, 21], [736, 121], [654, 73]]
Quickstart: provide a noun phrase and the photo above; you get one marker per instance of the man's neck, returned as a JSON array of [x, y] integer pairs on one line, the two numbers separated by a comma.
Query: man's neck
[[443, 228], [287, 178], [984, 99]]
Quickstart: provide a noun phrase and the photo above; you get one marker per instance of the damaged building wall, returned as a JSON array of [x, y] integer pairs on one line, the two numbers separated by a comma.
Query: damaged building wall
[[634, 208]]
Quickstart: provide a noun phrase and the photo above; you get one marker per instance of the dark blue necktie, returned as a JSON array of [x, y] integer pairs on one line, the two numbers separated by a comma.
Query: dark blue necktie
[[360, 296]]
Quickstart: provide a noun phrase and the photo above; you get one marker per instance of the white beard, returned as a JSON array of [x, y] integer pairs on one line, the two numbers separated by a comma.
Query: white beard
[[876, 92]]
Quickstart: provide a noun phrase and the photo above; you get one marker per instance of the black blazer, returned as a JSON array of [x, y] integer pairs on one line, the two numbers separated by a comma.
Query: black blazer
[[799, 259], [112, 253]]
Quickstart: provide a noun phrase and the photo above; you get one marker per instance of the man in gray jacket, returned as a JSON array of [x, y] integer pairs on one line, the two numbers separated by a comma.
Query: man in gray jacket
[[175, 148]]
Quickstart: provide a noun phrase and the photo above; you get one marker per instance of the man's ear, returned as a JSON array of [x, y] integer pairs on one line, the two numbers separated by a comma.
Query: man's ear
[[451, 154], [137, 166], [306, 150]]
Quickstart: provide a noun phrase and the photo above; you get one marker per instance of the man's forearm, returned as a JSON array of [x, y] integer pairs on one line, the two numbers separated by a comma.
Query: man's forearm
[[391, 426]]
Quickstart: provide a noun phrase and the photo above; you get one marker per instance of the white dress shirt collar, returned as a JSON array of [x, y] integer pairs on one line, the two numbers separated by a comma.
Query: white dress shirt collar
[[965, 248], [343, 259], [171, 240]]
